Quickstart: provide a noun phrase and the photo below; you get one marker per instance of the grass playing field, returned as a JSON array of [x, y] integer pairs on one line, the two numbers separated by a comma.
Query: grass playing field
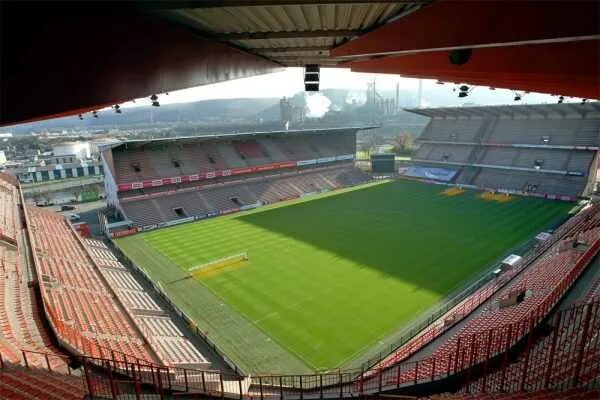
[[331, 276]]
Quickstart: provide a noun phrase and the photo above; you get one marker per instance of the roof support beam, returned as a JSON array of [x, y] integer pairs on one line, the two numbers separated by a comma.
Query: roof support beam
[[181, 4], [452, 24], [96, 67], [287, 49], [286, 34], [570, 69]]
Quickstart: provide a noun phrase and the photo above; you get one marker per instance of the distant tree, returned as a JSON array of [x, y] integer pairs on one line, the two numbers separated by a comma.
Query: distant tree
[[365, 148], [403, 143], [25, 142], [375, 140]]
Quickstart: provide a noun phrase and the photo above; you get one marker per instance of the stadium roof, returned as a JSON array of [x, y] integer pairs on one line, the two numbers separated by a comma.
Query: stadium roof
[[241, 135], [526, 110], [68, 58], [290, 33]]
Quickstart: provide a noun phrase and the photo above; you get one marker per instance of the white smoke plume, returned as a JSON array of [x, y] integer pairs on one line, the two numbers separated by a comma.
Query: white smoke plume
[[356, 98], [317, 104]]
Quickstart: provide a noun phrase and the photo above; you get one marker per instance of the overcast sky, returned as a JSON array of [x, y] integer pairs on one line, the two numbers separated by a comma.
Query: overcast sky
[[290, 81]]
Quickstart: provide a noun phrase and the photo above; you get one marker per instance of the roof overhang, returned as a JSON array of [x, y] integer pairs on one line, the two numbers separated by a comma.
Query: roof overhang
[[527, 110], [62, 59], [236, 136]]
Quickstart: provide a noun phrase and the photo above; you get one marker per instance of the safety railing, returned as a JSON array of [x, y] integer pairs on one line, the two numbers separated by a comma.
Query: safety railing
[[564, 359]]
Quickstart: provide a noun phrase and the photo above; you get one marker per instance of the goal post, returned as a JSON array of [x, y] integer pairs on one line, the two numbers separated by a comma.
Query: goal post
[[218, 264]]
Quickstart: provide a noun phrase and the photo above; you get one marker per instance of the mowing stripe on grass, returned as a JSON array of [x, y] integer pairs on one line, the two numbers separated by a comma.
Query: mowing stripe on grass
[[329, 277]]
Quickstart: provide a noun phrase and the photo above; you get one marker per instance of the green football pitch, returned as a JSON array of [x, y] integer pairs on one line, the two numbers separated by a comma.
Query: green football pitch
[[331, 277]]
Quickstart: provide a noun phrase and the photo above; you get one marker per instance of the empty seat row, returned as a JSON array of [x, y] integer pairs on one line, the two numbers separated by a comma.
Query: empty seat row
[[163, 336], [85, 308], [167, 159], [171, 205]]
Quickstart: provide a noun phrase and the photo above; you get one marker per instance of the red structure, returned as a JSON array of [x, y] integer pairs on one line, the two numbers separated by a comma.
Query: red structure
[[65, 59], [549, 48]]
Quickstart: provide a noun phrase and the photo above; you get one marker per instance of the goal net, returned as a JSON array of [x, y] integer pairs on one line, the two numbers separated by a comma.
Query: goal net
[[217, 265]]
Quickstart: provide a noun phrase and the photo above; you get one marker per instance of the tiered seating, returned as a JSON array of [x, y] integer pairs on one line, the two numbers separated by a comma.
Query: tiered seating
[[163, 336], [78, 302], [542, 284], [31, 383], [457, 130], [588, 133], [138, 300], [249, 149], [21, 325], [532, 154], [567, 335], [9, 197], [136, 166], [272, 149], [161, 159], [592, 293], [573, 394], [556, 159], [529, 182], [231, 156], [444, 153], [178, 351], [199, 201]]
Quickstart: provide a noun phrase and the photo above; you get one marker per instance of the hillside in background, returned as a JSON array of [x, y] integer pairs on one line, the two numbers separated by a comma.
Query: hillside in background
[[206, 111]]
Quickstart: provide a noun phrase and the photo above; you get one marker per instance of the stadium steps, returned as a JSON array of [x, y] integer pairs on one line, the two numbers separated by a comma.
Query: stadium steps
[[587, 133], [491, 128], [231, 156], [329, 182], [159, 210], [274, 151], [249, 192], [567, 162], [22, 383], [296, 188], [483, 129], [21, 327], [205, 202], [573, 394]]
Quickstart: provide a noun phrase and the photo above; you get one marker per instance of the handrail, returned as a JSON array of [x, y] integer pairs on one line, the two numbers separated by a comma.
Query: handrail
[[405, 373], [466, 355]]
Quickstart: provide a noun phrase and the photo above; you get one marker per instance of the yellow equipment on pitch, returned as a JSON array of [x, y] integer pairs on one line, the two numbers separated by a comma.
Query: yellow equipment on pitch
[[217, 265]]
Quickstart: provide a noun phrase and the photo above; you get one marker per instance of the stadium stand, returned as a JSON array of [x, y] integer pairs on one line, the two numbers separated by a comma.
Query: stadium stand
[[72, 278], [98, 309], [145, 160], [567, 231], [165, 339], [225, 172], [29, 383], [573, 394], [20, 319], [233, 195], [512, 315], [547, 150]]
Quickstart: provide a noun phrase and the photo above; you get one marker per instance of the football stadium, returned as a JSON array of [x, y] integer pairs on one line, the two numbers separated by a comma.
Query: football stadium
[[271, 265]]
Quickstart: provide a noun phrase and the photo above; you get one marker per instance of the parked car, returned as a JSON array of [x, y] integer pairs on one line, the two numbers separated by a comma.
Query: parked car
[[67, 208], [73, 217]]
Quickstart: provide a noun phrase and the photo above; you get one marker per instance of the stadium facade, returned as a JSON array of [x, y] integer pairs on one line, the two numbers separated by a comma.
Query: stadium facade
[[162, 182], [537, 150]]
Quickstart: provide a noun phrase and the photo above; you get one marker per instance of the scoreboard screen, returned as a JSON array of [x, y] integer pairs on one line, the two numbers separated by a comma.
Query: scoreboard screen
[[383, 162]]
